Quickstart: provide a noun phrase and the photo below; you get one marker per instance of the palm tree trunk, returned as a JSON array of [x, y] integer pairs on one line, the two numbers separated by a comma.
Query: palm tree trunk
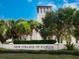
[[31, 37], [61, 40], [58, 38], [76, 40]]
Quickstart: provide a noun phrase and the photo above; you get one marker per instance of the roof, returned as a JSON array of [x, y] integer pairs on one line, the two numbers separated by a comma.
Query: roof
[[44, 6]]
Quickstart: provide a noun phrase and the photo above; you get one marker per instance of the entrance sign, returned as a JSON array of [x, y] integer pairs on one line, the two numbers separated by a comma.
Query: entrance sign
[[33, 46]]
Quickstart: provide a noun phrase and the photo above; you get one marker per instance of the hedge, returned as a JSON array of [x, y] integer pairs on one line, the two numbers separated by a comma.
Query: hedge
[[57, 52], [34, 42]]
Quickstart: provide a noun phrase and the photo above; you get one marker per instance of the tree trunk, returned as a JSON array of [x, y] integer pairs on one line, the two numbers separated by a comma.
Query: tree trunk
[[58, 38], [50, 37], [76, 40], [31, 37], [61, 41], [44, 38]]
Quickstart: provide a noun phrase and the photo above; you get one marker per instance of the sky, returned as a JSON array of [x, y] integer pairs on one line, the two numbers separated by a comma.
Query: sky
[[27, 8]]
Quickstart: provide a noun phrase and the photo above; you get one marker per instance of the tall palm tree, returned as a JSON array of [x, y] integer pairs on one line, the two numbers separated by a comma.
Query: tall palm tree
[[3, 30], [21, 28], [34, 26]]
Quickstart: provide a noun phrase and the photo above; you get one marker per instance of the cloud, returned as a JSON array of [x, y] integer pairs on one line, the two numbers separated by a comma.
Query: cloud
[[54, 7], [50, 4], [29, 1], [65, 1], [73, 5]]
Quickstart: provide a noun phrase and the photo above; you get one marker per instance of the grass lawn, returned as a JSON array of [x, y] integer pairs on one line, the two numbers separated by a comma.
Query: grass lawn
[[35, 56]]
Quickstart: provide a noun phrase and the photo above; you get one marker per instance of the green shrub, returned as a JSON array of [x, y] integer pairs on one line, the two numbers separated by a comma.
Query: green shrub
[[57, 52], [70, 46], [34, 42]]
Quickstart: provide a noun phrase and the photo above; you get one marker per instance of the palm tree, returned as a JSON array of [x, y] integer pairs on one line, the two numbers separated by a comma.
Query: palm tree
[[20, 20], [34, 26], [49, 25], [11, 24], [18, 28], [21, 28], [3, 30], [59, 23], [66, 22]]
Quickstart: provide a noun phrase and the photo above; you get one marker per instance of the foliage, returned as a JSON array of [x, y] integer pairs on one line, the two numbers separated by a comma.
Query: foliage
[[3, 31], [63, 24], [21, 28], [33, 26], [70, 46], [48, 27], [44, 33], [59, 23], [43, 52], [76, 25], [35, 42], [76, 34]]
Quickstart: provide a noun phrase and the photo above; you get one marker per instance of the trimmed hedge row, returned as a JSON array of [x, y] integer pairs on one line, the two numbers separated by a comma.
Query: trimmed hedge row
[[57, 52], [34, 42]]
